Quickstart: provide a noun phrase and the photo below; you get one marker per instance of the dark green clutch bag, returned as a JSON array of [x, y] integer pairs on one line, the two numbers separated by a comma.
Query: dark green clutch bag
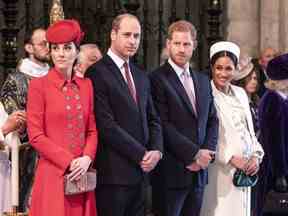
[[240, 179]]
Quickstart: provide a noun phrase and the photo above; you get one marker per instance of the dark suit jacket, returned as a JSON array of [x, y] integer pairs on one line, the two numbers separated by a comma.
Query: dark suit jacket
[[126, 130], [184, 133]]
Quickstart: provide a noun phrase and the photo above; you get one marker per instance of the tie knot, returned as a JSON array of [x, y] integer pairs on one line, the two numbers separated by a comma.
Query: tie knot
[[125, 64], [185, 73]]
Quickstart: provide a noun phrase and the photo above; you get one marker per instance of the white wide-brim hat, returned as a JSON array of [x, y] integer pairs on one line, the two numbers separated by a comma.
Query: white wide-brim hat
[[225, 46]]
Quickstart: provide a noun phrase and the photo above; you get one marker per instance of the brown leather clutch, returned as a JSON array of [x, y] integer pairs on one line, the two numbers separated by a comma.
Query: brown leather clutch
[[86, 183]]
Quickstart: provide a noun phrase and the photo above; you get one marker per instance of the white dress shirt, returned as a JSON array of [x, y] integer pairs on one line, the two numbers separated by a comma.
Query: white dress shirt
[[120, 64]]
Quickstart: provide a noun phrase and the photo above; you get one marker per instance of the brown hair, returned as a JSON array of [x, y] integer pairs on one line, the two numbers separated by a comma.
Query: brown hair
[[183, 26], [117, 20], [244, 81]]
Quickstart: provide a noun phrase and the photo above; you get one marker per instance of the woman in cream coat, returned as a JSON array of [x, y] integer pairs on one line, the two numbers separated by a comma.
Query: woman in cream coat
[[237, 143]]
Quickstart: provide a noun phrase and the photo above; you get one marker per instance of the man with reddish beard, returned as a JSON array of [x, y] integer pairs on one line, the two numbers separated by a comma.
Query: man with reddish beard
[[13, 96], [130, 135], [184, 102]]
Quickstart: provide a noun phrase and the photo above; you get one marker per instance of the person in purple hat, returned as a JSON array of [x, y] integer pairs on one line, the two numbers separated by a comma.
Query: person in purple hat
[[61, 128], [273, 119]]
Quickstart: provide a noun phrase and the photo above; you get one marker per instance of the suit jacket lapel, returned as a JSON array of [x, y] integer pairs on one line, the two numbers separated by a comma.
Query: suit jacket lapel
[[176, 83], [117, 73]]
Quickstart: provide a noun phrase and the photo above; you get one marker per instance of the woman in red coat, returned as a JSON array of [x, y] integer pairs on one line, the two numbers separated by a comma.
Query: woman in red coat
[[61, 128]]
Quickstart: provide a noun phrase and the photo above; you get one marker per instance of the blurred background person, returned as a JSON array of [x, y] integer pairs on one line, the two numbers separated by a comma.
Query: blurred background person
[[246, 77], [164, 56], [261, 64], [61, 127], [89, 54], [14, 97], [273, 119], [8, 138], [238, 148]]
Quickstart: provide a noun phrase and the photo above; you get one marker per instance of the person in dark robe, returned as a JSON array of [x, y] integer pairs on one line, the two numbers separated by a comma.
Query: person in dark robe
[[273, 121]]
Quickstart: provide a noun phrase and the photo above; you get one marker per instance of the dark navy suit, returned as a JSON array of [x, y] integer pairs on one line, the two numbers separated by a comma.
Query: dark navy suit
[[184, 134], [126, 130]]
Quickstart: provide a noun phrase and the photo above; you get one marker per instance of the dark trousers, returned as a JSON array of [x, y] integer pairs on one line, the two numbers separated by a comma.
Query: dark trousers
[[175, 202], [114, 200], [27, 158]]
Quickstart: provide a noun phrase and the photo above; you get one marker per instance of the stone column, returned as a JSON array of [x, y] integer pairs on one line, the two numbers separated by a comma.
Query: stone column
[[270, 23], [283, 26], [243, 24]]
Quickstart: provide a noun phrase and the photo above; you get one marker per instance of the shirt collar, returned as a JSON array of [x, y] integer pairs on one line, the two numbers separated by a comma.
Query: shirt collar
[[177, 69], [58, 79], [116, 59]]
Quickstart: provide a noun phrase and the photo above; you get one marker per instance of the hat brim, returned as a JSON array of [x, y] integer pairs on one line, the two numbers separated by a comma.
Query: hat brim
[[243, 73]]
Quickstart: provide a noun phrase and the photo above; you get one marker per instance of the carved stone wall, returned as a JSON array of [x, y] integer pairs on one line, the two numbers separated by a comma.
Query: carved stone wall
[[258, 24]]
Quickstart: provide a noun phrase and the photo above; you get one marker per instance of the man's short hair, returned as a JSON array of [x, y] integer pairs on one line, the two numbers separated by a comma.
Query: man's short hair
[[117, 21], [29, 35], [182, 26]]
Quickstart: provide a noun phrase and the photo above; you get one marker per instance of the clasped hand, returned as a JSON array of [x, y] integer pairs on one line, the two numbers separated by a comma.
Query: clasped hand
[[15, 121], [79, 167], [202, 159], [250, 167], [150, 160]]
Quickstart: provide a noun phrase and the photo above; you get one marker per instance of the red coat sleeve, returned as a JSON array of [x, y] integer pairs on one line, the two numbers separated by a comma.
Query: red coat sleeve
[[91, 133], [35, 124]]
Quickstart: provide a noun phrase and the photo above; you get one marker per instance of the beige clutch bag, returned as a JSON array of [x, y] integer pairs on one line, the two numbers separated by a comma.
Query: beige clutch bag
[[86, 183]]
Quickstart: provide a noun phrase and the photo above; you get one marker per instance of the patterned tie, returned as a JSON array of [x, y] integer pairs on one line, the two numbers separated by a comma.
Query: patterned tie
[[189, 87], [129, 82]]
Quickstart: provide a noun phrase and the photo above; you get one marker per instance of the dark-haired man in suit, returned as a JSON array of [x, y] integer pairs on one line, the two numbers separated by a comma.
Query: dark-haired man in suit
[[184, 101], [130, 135]]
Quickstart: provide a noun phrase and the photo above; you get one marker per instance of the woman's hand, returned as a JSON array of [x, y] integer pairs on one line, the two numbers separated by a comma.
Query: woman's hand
[[252, 166], [238, 162], [78, 167], [14, 122]]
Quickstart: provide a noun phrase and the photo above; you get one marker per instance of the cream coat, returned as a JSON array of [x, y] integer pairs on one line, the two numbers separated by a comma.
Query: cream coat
[[221, 197]]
